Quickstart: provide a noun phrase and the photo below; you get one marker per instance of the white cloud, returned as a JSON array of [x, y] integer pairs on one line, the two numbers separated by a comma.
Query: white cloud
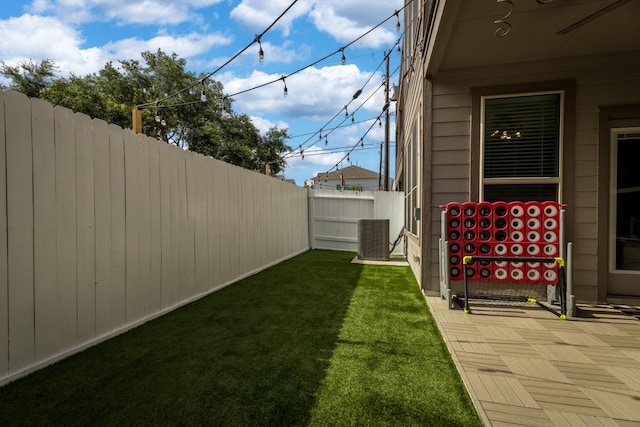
[[315, 93], [165, 12], [286, 53], [345, 22], [30, 37], [264, 125], [186, 46], [257, 15]]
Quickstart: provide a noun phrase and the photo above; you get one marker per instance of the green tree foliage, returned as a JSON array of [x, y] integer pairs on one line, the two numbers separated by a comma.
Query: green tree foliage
[[171, 102], [29, 77]]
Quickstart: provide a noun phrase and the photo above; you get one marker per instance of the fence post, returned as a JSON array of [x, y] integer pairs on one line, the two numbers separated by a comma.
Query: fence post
[[136, 120]]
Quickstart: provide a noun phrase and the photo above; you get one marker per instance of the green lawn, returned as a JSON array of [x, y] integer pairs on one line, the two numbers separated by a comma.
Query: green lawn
[[315, 340]]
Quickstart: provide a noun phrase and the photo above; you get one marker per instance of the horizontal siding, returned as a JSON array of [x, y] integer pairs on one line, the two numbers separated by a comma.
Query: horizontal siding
[[450, 171], [600, 81], [452, 143]]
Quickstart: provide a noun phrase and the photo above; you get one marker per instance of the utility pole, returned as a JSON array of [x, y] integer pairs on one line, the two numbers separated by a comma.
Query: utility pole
[[386, 124], [380, 187]]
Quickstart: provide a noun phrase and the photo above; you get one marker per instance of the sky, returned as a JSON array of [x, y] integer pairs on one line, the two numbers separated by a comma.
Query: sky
[[81, 36]]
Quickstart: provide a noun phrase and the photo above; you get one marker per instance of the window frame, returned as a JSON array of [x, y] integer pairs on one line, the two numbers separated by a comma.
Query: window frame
[[567, 131], [522, 180], [411, 179]]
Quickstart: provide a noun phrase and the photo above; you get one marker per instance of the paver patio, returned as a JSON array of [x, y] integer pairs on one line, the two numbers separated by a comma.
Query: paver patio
[[523, 366]]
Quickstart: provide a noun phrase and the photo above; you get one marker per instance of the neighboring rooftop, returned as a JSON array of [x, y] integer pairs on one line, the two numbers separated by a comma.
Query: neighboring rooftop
[[350, 172]]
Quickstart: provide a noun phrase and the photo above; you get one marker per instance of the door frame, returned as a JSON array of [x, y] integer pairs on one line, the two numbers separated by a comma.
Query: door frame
[[611, 117]]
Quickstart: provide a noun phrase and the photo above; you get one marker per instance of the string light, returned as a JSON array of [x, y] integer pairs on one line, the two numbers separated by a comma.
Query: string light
[[163, 122], [203, 95], [340, 50], [356, 95], [261, 53], [344, 58], [398, 26], [231, 59], [346, 112], [359, 142]]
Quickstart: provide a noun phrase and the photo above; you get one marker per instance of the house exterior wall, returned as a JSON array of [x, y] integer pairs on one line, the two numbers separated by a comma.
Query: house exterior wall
[[412, 115], [600, 81], [102, 229]]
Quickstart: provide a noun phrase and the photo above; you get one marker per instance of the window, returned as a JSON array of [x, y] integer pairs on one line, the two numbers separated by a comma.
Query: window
[[411, 181], [521, 147]]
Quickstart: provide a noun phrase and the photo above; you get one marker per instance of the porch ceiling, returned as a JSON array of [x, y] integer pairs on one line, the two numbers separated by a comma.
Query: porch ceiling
[[465, 33]]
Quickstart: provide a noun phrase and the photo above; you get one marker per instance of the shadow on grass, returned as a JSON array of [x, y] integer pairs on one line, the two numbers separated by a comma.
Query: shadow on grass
[[254, 353]]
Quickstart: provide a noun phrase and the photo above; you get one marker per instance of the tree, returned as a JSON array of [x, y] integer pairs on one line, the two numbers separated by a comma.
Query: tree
[[173, 107], [270, 150], [29, 77]]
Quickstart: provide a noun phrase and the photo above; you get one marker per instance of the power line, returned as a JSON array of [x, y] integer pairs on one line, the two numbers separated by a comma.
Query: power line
[[316, 62], [293, 153], [357, 122], [282, 78], [356, 95], [240, 52]]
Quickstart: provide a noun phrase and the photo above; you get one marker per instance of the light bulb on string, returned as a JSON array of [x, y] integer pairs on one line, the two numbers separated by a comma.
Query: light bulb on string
[[286, 91], [163, 122], [260, 51], [157, 118], [346, 112], [203, 95], [399, 51], [361, 143], [302, 154], [344, 58], [353, 120], [379, 122], [398, 26], [326, 140]]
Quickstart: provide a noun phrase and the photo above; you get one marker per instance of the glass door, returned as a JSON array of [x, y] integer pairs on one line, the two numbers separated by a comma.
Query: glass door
[[624, 204]]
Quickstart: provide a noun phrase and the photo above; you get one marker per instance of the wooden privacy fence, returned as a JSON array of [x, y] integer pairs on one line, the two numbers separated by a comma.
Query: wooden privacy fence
[[102, 229]]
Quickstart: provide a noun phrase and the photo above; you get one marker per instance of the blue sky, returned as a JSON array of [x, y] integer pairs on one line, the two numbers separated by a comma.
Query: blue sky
[[80, 36]]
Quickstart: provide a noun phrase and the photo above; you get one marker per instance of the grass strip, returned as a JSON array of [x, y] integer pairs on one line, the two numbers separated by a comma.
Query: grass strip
[[315, 340]]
